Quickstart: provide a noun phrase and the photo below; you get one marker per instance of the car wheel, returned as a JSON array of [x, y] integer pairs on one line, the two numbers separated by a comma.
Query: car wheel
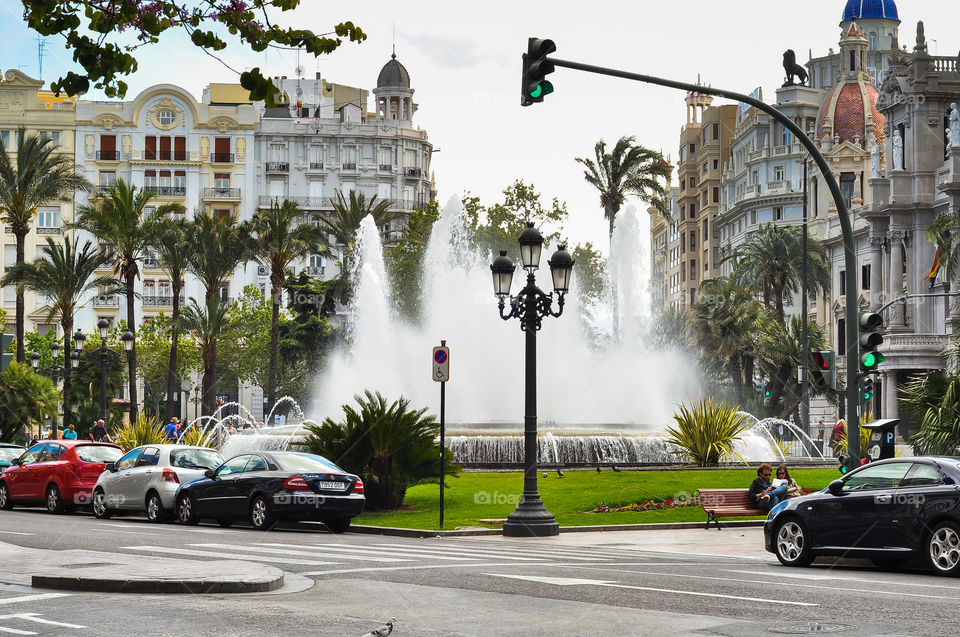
[[154, 507], [100, 509], [260, 516], [943, 548], [792, 543], [338, 525], [6, 503], [54, 501], [225, 523], [186, 510]]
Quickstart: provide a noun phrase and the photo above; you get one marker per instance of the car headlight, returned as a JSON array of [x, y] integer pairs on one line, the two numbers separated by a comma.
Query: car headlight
[[777, 509]]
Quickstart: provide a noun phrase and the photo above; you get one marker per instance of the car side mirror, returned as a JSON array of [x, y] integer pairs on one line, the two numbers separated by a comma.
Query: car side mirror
[[15, 462], [210, 473], [110, 466], [836, 487]]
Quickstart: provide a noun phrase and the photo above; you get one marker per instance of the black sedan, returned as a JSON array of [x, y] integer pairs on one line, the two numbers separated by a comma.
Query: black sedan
[[264, 487], [889, 511]]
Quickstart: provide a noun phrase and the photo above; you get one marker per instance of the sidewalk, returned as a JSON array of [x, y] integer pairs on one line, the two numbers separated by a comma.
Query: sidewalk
[[116, 573]]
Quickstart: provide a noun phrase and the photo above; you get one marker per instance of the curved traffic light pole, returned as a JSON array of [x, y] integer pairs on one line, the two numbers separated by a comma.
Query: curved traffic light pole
[[849, 249]]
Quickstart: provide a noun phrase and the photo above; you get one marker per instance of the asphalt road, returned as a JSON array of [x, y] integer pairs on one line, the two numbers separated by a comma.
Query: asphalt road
[[603, 584]]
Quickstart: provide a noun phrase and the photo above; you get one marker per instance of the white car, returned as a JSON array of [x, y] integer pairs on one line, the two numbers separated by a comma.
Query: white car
[[147, 479]]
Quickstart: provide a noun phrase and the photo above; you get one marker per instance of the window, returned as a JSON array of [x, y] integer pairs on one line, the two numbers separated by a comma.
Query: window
[[778, 214], [5, 137], [716, 132], [786, 138], [843, 282], [848, 183], [841, 335], [778, 173], [221, 180], [385, 158], [107, 178], [315, 156], [874, 41], [716, 195], [349, 157], [234, 465], [716, 164], [166, 117], [51, 452], [54, 135], [865, 277], [129, 460], [150, 457], [693, 210], [256, 463], [48, 217], [922, 475], [683, 213], [881, 476], [693, 270], [108, 148], [693, 239], [693, 150], [693, 182], [706, 165]]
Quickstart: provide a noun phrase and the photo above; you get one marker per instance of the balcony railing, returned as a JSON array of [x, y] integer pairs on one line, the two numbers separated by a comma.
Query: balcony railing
[[106, 300], [105, 187], [166, 155], [221, 158], [414, 172], [151, 263], [221, 193], [316, 165], [48, 230], [160, 301], [167, 191], [315, 270], [108, 155], [386, 167], [265, 201], [348, 166], [278, 167]]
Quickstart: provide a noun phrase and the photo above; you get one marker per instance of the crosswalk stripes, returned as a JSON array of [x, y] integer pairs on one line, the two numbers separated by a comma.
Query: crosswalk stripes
[[182, 552], [294, 550]]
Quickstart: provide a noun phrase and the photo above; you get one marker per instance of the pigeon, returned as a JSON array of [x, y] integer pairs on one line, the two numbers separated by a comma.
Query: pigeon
[[598, 468], [616, 468], [383, 631], [560, 473], [544, 474]]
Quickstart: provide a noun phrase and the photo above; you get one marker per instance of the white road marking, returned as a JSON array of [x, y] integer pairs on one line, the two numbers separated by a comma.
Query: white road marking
[[584, 582], [32, 598], [33, 617], [839, 575], [372, 569], [177, 552], [17, 533], [540, 549], [492, 553], [346, 549], [266, 548], [132, 532], [15, 631]]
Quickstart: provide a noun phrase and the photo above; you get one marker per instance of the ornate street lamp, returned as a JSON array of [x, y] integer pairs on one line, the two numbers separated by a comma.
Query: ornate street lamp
[[128, 341], [531, 518], [35, 361], [102, 327]]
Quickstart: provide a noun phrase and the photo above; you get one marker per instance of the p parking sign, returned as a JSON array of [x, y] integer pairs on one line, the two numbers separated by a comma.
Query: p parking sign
[[441, 364]]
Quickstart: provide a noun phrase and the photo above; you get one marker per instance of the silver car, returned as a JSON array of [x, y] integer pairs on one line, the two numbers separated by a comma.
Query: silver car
[[147, 478]]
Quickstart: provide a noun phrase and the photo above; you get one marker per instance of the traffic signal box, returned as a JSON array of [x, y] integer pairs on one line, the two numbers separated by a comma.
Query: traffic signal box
[[870, 339], [5, 359], [825, 368], [535, 68]]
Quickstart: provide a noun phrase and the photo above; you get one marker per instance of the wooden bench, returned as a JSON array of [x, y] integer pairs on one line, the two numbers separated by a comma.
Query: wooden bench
[[726, 503]]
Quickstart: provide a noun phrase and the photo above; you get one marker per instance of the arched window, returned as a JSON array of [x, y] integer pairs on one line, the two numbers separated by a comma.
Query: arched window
[[874, 41]]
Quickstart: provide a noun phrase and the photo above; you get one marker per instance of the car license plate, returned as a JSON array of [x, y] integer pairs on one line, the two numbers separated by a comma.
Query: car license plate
[[332, 485]]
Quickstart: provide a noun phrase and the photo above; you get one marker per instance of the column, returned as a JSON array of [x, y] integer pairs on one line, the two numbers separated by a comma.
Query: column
[[876, 272], [890, 407], [897, 314]]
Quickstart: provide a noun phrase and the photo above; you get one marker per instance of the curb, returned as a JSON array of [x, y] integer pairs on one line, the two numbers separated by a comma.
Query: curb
[[191, 586], [655, 526]]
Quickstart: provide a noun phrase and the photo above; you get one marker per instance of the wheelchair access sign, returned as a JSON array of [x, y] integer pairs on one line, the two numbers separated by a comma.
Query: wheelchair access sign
[[441, 364]]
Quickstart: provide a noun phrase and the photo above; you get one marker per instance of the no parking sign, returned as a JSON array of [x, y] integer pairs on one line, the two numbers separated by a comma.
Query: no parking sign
[[441, 364]]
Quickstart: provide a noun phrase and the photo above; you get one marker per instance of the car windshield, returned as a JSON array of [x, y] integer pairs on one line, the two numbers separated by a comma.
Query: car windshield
[[195, 459], [305, 462], [98, 453], [9, 453]]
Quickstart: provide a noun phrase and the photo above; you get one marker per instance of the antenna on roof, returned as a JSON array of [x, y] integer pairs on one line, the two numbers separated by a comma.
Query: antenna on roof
[[41, 44]]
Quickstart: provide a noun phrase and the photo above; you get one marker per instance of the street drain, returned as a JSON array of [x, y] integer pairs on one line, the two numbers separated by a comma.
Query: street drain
[[810, 628]]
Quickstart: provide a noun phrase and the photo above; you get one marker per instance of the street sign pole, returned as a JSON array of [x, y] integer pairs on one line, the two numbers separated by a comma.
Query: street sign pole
[[441, 374]]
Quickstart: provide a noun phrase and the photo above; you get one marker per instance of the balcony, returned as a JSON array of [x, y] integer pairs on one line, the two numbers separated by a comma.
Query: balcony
[[151, 263], [108, 155], [415, 173], [316, 165], [166, 155], [278, 167], [221, 193], [167, 191], [221, 158], [160, 301], [778, 186], [106, 300], [348, 166], [387, 168], [48, 230], [265, 201], [315, 270]]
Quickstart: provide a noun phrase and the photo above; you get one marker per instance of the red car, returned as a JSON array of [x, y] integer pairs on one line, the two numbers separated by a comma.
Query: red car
[[59, 473]]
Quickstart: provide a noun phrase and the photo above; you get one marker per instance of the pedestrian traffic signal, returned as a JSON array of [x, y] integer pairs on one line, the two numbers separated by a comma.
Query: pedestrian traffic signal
[[5, 359], [535, 68], [843, 464], [866, 388], [824, 368], [870, 339]]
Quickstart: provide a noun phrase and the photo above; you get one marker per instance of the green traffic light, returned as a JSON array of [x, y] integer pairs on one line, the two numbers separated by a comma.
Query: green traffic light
[[537, 92], [867, 396], [766, 393], [542, 88]]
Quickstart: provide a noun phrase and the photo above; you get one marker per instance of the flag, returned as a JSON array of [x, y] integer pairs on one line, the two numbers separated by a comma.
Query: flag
[[934, 270]]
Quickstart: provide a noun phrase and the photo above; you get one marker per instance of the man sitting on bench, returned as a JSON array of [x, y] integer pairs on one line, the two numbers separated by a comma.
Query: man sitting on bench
[[760, 489]]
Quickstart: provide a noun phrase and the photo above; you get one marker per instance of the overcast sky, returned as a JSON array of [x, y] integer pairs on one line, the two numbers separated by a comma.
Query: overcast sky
[[464, 64]]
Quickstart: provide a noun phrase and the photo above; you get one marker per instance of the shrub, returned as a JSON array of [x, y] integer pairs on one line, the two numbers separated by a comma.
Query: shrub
[[144, 430], [706, 432], [390, 446]]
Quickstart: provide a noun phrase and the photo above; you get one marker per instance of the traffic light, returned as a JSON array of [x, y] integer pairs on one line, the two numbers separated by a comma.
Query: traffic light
[[824, 368], [843, 464], [5, 359], [535, 69], [866, 388], [870, 338]]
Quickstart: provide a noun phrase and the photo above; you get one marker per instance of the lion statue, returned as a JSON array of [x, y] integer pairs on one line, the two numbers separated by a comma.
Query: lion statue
[[793, 69]]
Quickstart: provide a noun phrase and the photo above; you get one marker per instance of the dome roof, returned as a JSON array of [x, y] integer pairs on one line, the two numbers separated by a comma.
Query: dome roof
[[870, 10], [845, 107], [393, 75]]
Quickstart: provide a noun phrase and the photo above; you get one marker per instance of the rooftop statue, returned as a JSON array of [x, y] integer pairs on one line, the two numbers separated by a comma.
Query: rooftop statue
[[793, 69]]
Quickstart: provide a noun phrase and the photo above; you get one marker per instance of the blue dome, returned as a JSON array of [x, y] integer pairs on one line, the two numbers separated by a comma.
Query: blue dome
[[870, 10]]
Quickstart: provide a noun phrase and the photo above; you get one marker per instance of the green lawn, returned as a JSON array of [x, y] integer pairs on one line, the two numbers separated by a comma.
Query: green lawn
[[474, 496]]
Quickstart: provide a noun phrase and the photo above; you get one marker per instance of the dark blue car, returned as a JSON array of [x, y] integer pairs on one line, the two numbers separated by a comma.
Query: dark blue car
[[889, 511]]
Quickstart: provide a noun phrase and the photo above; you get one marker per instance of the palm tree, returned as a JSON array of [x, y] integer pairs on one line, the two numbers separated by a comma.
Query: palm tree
[[770, 262], [628, 170], [172, 244], [206, 322], [780, 353], [117, 219], [942, 233], [63, 274], [280, 242], [347, 216], [219, 245], [36, 176], [724, 322]]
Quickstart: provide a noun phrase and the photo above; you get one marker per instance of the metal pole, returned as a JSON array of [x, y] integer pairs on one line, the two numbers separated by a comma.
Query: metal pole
[[103, 381], [849, 246], [804, 380], [443, 447]]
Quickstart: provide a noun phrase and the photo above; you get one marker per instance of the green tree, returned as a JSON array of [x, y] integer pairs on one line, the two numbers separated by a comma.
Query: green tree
[[84, 397], [219, 245], [282, 240], [156, 336], [308, 338], [944, 233], [346, 218], [63, 274], [770, 262], [589, 272], [780, 353], [92, 31], [933, 401], [171, 240], [628, 170], [117, 218], [37, 175], [26, 399], [497, 227], [405, 261], [389, 445], [245, 346]]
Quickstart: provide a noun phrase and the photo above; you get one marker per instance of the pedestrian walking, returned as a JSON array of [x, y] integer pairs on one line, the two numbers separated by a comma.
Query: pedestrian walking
[[820, 429], [70, 434], [172, 431], [839, 434], [98, 433]]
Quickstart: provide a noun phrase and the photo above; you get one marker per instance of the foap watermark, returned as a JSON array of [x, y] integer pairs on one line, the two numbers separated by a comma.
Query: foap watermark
[[301, 298], [891, 99], [302, 499], [905, 499], [485, 497]]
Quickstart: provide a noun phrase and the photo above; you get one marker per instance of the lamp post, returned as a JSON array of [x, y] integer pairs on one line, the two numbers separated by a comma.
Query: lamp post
[[531, 518], [102, 327], [55, 372], [128, 341]]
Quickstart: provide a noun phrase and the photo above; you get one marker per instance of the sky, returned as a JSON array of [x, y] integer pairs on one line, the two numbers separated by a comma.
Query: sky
[[464, 61]]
